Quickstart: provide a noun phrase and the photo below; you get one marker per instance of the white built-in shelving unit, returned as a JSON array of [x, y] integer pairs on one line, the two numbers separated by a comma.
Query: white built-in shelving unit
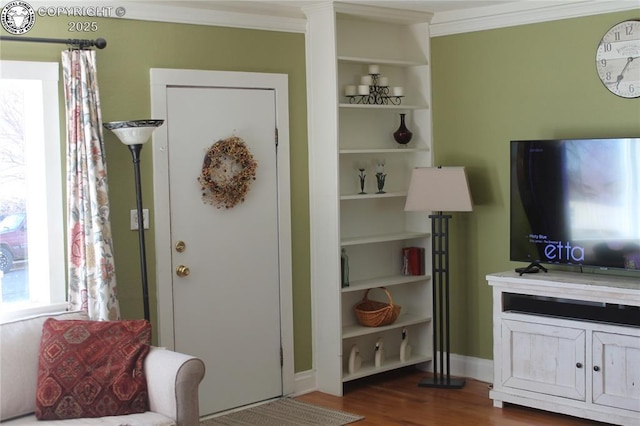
[[342, 41]]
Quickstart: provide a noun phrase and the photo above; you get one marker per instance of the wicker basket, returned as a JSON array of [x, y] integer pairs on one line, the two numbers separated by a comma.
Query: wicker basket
[[372, 313]]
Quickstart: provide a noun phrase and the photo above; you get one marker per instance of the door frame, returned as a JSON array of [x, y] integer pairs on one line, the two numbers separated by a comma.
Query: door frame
[[161, 79]]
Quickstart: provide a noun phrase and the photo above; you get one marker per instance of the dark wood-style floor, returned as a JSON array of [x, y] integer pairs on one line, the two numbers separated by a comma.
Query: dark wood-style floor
[[395, 399]]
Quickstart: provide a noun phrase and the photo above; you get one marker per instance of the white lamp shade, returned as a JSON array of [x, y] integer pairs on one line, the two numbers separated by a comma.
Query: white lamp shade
[[439, 189], [133, 132]]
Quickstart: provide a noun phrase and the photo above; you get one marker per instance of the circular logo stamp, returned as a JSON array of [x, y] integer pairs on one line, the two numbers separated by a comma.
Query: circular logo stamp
[[17, 17]]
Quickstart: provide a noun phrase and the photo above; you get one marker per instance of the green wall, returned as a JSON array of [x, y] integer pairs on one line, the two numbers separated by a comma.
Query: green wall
[[489, 87], [531, 81], [123, 74]]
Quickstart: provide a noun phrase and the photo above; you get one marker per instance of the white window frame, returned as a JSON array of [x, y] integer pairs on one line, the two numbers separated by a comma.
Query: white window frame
[[45, 231]]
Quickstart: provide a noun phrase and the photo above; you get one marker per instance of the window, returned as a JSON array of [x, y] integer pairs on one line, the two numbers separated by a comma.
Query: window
[[32, 266]]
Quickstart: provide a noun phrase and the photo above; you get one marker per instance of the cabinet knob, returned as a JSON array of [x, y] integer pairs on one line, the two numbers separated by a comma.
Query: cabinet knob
[[579, 365], [596, 368]]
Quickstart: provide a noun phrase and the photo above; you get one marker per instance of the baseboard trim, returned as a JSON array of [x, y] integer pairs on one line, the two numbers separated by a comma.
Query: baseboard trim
[[304, 382], [471, 367], [461, 366]]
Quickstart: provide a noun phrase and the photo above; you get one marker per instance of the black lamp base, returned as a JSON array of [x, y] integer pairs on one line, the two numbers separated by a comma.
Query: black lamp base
[[434, 382], [440, 282]]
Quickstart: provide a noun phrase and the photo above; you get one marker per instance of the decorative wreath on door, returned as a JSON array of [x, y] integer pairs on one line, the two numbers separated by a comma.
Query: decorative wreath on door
[[227, 171]]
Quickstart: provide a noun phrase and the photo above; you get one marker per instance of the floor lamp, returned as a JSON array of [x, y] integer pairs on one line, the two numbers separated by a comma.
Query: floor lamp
[[438, 190], [134, 134]]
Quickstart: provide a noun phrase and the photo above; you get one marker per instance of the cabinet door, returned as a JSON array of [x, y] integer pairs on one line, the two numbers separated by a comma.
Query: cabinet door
[[544, 359], [616, 370]]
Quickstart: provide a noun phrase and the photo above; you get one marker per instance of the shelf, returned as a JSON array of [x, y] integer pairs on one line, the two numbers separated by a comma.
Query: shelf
[[384, 282], [369, 368], [368, 106], [393, 62], [404, 320], [383, 151], [373, 195], [383, 238]]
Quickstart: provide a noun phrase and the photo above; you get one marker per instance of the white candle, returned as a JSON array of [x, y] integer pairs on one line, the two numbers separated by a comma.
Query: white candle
[[365, 79], [398, 91], [374, 69], [363, 89], [350, 90], [383, 81]]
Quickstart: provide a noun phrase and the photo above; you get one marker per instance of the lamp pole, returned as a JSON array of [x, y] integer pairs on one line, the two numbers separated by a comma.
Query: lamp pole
[[135, 153]]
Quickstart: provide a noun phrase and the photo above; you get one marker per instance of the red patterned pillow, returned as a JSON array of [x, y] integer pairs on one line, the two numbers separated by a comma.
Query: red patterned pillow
[[92, 369]]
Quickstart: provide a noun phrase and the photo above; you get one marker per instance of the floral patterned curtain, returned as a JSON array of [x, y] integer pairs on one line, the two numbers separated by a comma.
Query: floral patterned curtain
[[91, 270]]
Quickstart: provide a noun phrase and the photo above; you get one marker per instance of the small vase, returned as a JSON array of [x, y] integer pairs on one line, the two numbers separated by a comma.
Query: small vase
[[402, 135]]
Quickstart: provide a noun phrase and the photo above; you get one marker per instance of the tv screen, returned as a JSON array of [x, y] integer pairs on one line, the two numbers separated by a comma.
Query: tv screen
[[576, 202]]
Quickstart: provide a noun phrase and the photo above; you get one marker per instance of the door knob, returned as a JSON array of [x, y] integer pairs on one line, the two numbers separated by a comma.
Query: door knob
[[182, 271]]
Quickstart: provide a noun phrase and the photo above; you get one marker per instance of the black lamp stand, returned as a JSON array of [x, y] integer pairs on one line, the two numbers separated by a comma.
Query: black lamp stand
[[440, 282], [135, 153]]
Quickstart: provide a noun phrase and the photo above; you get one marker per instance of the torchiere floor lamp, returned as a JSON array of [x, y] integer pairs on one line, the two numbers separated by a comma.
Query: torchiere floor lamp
[[438, 189], [134, 134]]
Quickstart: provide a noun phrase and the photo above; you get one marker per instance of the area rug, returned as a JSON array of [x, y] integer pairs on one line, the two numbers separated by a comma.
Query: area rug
[[284, 412]]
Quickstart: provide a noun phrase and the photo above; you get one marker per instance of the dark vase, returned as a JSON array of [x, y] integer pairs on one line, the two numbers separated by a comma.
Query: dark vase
[[402, 135]]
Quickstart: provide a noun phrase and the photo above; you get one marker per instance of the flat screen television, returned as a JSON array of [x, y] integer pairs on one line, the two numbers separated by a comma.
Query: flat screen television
[[576, 202]]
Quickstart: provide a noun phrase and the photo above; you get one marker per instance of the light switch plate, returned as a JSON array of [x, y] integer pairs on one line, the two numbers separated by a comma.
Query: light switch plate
[[134, 219]]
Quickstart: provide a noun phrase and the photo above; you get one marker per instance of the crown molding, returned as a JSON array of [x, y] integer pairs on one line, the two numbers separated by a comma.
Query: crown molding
[[184, 15], [159, 12], [384, 13], [508, 14], [521, 13]]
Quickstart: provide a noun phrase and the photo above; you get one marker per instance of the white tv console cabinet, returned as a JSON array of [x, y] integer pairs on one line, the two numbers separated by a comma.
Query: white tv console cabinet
[[569, 343]]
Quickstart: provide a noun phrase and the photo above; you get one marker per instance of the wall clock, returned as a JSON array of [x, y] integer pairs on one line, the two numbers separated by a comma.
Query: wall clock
[[618, 59]]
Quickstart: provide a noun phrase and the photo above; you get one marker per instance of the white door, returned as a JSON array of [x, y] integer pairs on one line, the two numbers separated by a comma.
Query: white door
[[227, 310]]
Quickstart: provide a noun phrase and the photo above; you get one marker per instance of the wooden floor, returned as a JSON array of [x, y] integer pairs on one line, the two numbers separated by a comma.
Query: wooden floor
[[395, 399]]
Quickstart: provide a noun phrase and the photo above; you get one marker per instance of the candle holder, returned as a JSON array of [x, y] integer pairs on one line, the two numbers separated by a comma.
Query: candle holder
[[378, 94], [380, 176], [362, 176]]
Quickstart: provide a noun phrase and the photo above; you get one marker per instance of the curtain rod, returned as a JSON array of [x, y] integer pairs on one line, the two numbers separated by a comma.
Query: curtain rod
[[100, 43]]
